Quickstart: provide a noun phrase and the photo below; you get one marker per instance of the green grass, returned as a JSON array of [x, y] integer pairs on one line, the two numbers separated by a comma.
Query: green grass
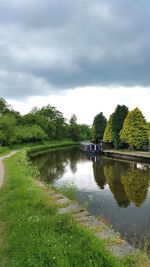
[[68, 189], [32, 234], [4, 150], [40, 149]]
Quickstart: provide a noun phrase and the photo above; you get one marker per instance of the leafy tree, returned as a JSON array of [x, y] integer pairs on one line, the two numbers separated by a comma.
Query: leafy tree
[[4, 106], [99, 125], [108, 134], [117, 123], [25, 134], [7, 128], [85, 132], [135, 130], [73, 119], [74, 129]]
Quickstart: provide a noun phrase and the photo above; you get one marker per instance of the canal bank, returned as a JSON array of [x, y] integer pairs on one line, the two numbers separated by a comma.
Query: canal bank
[[138, 156], [33, 226], [33, 233], [55, 165]]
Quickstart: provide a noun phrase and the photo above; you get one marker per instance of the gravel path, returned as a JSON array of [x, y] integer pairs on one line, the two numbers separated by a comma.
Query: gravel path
[[2, 166]]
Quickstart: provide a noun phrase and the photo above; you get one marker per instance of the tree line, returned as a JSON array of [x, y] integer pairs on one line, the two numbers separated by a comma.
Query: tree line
[[123, 129], [39, 125]]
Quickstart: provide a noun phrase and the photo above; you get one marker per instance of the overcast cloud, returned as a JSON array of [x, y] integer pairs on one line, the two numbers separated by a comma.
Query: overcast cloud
[[49, 46]]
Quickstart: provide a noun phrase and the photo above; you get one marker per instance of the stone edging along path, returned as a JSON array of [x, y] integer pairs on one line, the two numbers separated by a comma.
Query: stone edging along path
[[112, 240], [2, 167]]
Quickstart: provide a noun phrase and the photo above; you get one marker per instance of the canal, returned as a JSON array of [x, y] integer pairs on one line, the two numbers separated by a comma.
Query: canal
[[115, 190]]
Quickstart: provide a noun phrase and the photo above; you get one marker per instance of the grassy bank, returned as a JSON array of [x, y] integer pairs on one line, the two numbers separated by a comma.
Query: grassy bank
[[4, 150], [40, 149], [32, 234]]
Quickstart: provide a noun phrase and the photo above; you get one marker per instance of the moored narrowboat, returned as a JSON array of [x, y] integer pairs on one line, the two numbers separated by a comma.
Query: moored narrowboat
[[89, 147]]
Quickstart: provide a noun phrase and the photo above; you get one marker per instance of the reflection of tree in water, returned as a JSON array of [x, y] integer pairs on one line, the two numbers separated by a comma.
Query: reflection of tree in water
[[98, 171], [136, 183], [74, 157], [52, 166], [113, 177]]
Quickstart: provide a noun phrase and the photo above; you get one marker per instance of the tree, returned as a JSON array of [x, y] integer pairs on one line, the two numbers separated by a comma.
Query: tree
[[108, 134], [25, 134], [73, 119], [74, 129], [99, 125], [7, 127], [4, 106], [117, 123], [85, 132], [135, 130]]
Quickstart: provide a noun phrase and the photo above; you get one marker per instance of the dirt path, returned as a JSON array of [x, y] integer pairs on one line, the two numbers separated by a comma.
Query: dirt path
[[2, 166]]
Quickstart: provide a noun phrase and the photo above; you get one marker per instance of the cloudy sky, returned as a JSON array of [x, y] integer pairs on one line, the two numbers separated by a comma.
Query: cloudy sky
[[81, 56]]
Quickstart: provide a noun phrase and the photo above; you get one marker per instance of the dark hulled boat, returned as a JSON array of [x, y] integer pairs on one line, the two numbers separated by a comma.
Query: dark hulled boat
[[89, 147]]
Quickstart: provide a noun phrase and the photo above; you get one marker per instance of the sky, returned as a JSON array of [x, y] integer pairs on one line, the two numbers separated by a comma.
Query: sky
[[82, 57]]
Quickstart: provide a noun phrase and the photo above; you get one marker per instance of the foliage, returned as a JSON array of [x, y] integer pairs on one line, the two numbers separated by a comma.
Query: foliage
[[85, 132], [99, 125], [40, 149], [28, 134], [73, 119], [149, 130], [74, 129], [4, 106], [135, 130], [3, 150], [108, 134], [117, 123], [34, 234], [49, 119], [68, 189], [7, 128]]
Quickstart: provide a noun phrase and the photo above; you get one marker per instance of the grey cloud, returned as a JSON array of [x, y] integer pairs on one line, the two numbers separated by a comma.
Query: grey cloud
[[52, 45]]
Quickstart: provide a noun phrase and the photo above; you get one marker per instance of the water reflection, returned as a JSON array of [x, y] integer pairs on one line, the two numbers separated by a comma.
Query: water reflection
[[127, 181], [136, 183], [98, 172], [52, 166], [113, 177], [119, 189]]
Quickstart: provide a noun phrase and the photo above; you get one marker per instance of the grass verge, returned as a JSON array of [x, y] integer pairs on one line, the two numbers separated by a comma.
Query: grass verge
[[41, 149], [32, 234], [4, 150]]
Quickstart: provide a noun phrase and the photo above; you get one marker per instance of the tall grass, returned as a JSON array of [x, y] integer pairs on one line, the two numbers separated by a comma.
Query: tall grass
[[68, 189]]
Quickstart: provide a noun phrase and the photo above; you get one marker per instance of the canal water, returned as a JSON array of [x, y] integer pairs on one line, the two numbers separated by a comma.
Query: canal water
[[118, 191]]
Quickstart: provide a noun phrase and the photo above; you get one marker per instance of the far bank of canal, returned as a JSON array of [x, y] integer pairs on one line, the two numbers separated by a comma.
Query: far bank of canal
[[118, 191]]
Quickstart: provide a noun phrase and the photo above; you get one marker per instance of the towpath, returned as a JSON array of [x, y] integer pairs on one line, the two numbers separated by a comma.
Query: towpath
[[2, 166]]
